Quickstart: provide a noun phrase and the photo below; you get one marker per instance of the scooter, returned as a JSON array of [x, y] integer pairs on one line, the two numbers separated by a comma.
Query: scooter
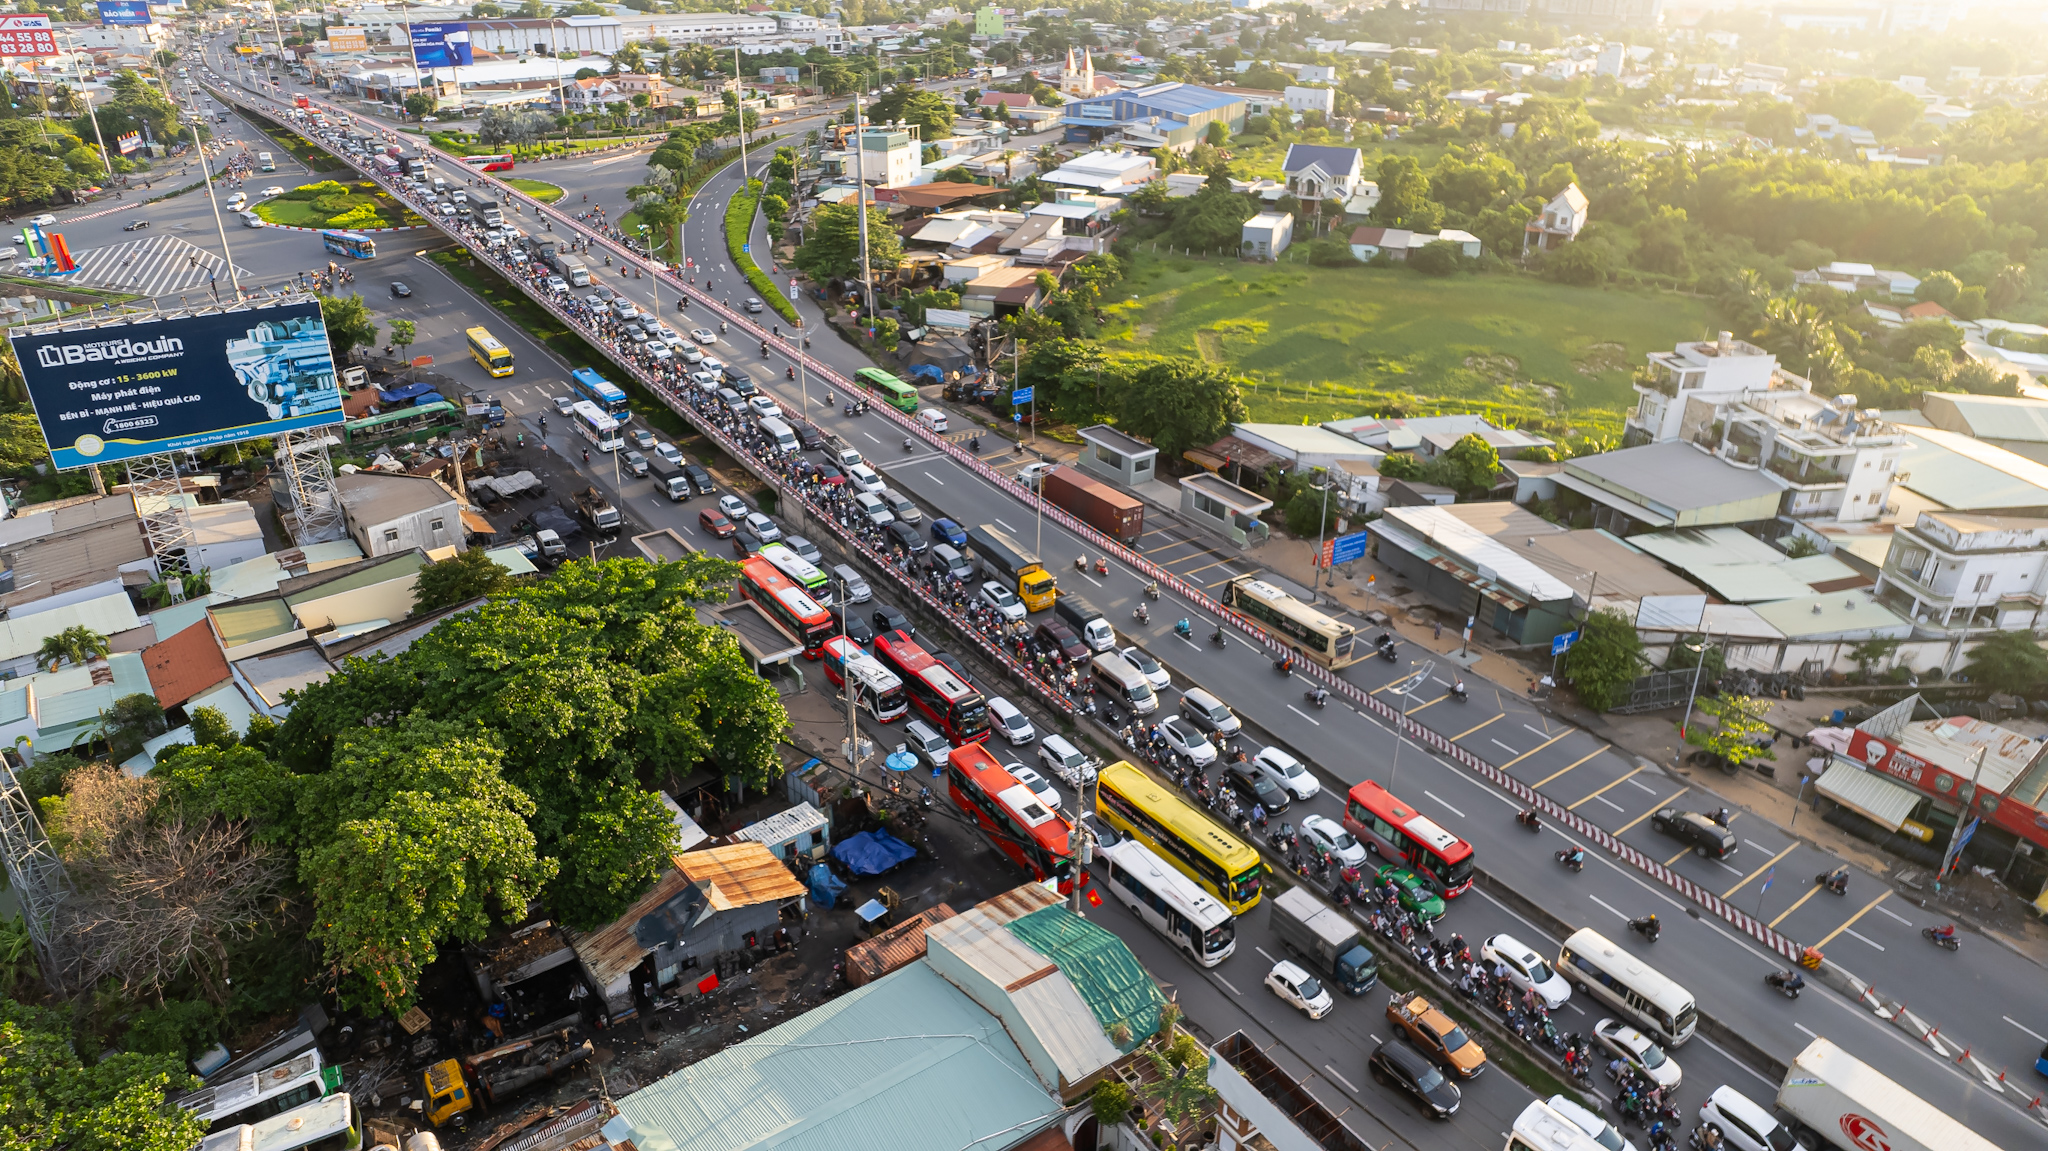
[[1573, 858], [1152, 590], [1317, 697], [1836, 881], [1386, 650], [1647, 927], [1216, 637], [1141, 613], [790, 374], [1527, 818], [1284, 665], [1945, 942], [1459, 693], [1788, 983], [1184, 629]]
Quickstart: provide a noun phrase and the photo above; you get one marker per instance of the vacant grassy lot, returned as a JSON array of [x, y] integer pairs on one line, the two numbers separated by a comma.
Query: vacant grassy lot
[[540, 190], [1323, 343]]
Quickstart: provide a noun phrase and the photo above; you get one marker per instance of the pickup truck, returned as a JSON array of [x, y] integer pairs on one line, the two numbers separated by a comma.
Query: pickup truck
[[598, 511], [485, 406], [1437, 1035]]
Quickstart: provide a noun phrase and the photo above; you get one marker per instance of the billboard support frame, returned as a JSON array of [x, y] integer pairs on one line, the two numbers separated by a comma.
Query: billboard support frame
[[160, 505], [309, 474]]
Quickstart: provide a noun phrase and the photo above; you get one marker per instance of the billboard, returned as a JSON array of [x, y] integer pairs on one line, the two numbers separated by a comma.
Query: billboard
[[27, 36], [125, 390], [125, 12], [348, 39], [439, 45]]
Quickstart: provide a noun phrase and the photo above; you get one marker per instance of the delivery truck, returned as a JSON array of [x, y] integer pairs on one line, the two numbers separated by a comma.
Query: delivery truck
[[1115, 514], [1329, 944], [573, 268], [1013, 567], [669, 479], [1837, 1099]]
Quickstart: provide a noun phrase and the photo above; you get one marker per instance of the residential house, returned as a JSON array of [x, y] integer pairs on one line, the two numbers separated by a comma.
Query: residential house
[[1318, 173], [1321, 100], [111, 615], [1665, 485], [1367, 243], [889, 154], [1898, 316], [656, 89], [2019, 424], [1559, 223], [1848, 276], [1002, 292], [1106, 171], [393, 514], [1268, 234]]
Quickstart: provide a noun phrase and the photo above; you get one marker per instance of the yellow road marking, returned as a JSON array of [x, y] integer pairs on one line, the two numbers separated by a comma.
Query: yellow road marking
[[1555, 774], [1605, 790], [1420, 706], [1476, 727], [1851, 921], [1164, 546], [1681, 855], [1616, 833], [1204, 567], [1534, 750], [1744, 881], [1801, 902]]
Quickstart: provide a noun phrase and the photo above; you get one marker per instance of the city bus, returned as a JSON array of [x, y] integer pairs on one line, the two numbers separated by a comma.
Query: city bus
[[351, 244], [786, 604], [1398, 834], [894, 392], [251, 1098], [800, 571], [330, 1124], [489, 352], [1594, 965], [1200, 848], [951, 703], [609, 397], [600, 430], [500, 163], [1028, 833], [419, 422], [1294, 623], [1170, 903], [875, 688]]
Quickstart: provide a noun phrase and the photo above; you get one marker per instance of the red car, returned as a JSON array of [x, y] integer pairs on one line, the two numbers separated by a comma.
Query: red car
[[712, 520], [829, 474]]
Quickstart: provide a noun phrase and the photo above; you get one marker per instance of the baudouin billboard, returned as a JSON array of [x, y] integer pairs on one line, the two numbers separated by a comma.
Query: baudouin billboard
[[112, 393]]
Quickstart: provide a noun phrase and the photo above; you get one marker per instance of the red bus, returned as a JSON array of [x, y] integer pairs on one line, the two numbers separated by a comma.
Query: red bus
[[875, 688], [1402, 835], [946, 699], [786, 603], [1031, 835], [489, 163]]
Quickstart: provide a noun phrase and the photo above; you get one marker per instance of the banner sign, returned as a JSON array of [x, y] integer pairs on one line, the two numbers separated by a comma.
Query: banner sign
[[439, 45], [128, 141], [27, 36], [125, 12], [113, 393], [348, 39], [2014, 815]]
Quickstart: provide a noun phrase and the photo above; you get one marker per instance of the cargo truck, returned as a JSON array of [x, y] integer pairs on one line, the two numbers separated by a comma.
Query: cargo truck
[[1836, 1098], [573, 269], [451, 1087], [669, 478], [1325, 941], [485, 406], [1013, 567], [487, 211], [1119, 516], [597, 511]]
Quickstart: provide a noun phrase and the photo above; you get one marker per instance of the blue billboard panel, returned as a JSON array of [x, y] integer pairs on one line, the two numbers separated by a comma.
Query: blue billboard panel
[[117, 392], [440, 45], [125, 12]]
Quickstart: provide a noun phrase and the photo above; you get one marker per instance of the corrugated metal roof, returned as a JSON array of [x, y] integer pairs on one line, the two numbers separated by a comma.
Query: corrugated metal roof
[[988, 947], [107, 615], [907, 1063], [1116, 987], [784, 825], [870, 959], [741, 875], [1018, 902], [611, 951], [1060, 1019], [1868, 793]]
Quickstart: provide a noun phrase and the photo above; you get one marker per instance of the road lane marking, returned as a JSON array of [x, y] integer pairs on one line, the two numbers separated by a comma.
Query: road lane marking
[[1504, 747], [2025, 1028], [1006, 527], [1205, 567], [870, 435], [1616, 833], [1608, 906], [1810, 1031], [1262, 951], [1682, 853], [1304, 715], [1851, 922], [1744, 882], [1605, 790], [1474, 727], [1617, 807], [1797, 904], [1640, 785], [1561, 771], [1908, 923], [1759, 846], [1534, 750], [1227, 983], [1340, 1079], [1420, 706], [935, 479], [1439, 799], [1537, 732], [1865, 938]]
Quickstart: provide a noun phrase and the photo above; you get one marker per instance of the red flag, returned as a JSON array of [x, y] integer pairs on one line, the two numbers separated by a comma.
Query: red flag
[[1094, 898]]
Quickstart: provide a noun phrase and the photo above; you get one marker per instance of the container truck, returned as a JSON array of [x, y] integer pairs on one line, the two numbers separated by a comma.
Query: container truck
[[1109, 511], [1013, 567], [1836, 1098], [596, 510], [1326, 942], [669, 478]]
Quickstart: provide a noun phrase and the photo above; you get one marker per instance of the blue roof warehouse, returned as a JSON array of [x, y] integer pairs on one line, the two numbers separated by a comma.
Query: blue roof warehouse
[[1176, 115]]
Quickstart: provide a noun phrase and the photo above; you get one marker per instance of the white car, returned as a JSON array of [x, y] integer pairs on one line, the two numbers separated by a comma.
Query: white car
[[564, 405], [1286, 772], [1015, 725], [1526, 969], [669, 452], [1328, 836], [673, 338], [447, 209], [658, 351], [764, 529], [764, 408], [1592, 1124], [691, 354], [43, 221], [1047, 794], [1182, 737], [1147, 667], [1300, 989], [704, 335], [1003, 600], [705, 380], [1636, 1048], [1066, 761], [1744, 1125], [865, 479], [735, 508], [273, 190]]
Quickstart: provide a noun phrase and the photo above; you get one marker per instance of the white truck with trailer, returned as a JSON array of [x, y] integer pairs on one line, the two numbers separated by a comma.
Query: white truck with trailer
[[1838, 1100]]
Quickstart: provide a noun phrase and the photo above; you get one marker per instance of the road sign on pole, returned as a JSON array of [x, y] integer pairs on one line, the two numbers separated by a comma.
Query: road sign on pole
[[1563, 643], [1347, 548], [1021, 396]]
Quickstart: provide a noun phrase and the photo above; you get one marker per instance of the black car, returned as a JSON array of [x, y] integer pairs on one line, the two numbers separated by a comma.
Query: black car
[[744, 386], [1054, 636], [1399, 1064], [745, 543], [400, 289], [854, 627], [907, 537], [1709, 840], [699, 478], [807, 434], [137, 226], [889, 619], [1252, 786]]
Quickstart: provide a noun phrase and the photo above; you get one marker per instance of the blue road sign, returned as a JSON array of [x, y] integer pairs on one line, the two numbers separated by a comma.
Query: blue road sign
[[1020, 396], [746, 247], [1562, 643], [1345, 549]]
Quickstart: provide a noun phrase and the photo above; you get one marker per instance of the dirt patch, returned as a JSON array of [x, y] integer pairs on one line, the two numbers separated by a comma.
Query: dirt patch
[[1602, 357], [1210, 344], [1501, 369]]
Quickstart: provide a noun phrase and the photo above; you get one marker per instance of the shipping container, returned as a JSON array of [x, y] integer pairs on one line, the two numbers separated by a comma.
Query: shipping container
[[899, 946], [1107, 510]]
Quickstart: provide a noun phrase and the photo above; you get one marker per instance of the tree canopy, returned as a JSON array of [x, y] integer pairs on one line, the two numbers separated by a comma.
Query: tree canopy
[[51, 1098]]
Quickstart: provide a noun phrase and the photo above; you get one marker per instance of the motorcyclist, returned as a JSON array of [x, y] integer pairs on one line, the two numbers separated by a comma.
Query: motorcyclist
[[1575, 856], [1458, 688], [1320, 696], [1945, 931]]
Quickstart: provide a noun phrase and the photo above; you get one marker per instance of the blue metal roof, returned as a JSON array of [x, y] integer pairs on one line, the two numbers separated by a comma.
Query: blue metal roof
[[1175, 100], [1335, 161]]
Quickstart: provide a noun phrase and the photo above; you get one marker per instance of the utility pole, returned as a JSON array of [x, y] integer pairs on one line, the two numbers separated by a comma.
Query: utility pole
[[1082, 840], [860, 196], [1686, 719], [1966, 797]]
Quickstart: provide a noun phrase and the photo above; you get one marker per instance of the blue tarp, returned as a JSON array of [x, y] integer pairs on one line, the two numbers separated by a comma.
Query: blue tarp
[[872, 852], [926, 370], [405, 395], [825, 886]]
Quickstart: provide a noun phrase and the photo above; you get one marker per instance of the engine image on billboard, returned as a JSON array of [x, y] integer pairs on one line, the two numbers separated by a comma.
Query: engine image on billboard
[[120, 391]]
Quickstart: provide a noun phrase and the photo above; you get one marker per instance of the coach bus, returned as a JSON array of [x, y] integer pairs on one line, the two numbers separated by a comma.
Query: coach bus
[[608, 396], [1170, 903], [786, 604], [351, 244], [893, 391], [1200, 848], [800, 571], [951, 703], [489, 352], [875, 688], [1294, 623], [499, 163], [1028, 833], [1397, 833]]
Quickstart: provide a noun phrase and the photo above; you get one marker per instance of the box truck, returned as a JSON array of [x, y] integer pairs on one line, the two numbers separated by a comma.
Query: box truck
[[1323, 940], [1837, 1098], [1012, 566], [1115, 514]]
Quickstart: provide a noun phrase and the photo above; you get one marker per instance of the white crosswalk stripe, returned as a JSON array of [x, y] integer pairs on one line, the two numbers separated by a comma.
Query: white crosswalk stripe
[[155, 266]]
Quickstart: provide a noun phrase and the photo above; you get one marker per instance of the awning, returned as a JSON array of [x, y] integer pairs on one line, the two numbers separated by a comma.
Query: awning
[[1869, 794], [477, 524], [1627, 507]]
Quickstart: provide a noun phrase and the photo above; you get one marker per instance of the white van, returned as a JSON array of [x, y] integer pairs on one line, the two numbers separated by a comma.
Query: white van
[[251, 220], [264, 162], [779, 432], [874, 510], [1124, 683], [933, 418], [1540, 1128], [1600, 968]]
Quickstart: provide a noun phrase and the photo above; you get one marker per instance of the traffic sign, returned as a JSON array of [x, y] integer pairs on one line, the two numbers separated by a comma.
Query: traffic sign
[[1563, 643], [1016, 417], [1021, 396], [1347, 548], [746, 247]]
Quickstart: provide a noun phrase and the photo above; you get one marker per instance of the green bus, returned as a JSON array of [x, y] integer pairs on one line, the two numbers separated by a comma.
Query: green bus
[[893, 391], [420, 422]]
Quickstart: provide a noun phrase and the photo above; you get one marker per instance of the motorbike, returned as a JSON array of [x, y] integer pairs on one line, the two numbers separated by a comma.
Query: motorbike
[[1152, 590], [1081, 563], [849, 410], [1216, 637], [1527, 818], [1573, 858], [1183, 629], [1945, 942], [1386, 650], [1141, 614], [1788, 983], [1647, 927], [1459, 693], [906, 444], [790, 374], [1101, 565], [924, 798], [1317, 697], [1836, 881], [1284, 665]]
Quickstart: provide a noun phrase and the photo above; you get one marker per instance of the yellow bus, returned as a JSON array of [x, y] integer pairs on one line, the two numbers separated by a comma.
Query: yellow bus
[[495, 357], [1200, 848], [1294, 623]]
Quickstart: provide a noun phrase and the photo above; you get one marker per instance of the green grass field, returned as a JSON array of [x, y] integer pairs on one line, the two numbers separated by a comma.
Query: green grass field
[[540, 190], [1323, 343]]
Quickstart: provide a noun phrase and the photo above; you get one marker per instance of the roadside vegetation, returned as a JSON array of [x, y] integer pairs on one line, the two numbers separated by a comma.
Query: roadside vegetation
[[332, 204]]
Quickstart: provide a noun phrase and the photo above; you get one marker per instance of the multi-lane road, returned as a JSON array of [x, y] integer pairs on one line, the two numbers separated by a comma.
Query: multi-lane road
[[1985, 997]]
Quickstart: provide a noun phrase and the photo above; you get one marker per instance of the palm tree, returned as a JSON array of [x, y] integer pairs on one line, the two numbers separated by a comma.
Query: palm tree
[[64, 100], [77, 644]]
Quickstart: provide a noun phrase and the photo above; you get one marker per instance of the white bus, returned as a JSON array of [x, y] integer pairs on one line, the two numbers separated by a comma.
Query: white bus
[[249, 1098], [875, 687], [800, 571], [1596, 966], [1170, 903], [330, 1124], [593, 425], [1541, 1127]]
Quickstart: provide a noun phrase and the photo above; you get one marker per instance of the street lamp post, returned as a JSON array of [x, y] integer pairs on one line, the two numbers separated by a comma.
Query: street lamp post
[[1686, 720]]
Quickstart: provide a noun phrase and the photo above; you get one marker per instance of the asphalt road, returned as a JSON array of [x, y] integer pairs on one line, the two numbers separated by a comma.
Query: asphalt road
[[1989, 997]]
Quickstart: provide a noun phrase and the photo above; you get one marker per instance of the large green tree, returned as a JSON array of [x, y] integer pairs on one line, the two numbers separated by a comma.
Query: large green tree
[[1179, 403], [2011, 662], [1606, 660], [348, 323], [459, 579], [49, 1098], [831, 248], [930, 111]]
